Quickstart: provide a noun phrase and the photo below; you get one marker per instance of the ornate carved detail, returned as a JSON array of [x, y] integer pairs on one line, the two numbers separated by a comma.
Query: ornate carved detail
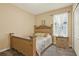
[[43, 28]]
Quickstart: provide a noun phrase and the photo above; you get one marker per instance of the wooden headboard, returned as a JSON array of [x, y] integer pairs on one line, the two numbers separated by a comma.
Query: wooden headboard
[[43, 29]]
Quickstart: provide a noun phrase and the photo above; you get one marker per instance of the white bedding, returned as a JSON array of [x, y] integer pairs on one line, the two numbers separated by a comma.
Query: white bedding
[[42, 43]]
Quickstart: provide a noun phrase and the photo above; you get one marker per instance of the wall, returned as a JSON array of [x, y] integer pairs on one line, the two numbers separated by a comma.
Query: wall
[[13, 19], [48, 17], [76, 29]]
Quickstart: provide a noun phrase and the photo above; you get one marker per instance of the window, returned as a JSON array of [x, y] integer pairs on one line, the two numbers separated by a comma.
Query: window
[[60, 24]]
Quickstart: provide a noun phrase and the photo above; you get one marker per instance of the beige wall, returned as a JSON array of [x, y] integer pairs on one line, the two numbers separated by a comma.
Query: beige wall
[[13, 19], [48, 17], [16, 20]]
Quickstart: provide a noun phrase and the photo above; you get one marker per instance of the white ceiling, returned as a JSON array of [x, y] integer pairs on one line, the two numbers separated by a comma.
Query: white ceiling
[[37, 8]]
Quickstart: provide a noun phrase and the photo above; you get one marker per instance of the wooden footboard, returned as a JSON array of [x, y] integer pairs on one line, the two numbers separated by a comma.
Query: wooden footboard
[[25, 46]]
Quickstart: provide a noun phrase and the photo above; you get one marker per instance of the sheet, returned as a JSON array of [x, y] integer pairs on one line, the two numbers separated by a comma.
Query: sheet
[[42, 43]]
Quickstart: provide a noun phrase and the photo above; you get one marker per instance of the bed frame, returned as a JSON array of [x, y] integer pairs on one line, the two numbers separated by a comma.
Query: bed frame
[[43, 29], [25, 46]]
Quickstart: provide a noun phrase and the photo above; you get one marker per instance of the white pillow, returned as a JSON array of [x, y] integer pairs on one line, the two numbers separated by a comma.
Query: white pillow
[[48, 36], [40, 34]]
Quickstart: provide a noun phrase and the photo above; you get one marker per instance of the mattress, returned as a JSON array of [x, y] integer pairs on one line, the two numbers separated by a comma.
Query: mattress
[[42, 43]]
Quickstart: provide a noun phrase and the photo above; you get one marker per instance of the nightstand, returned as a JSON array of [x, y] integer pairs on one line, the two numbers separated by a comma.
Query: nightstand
[[62, 42]]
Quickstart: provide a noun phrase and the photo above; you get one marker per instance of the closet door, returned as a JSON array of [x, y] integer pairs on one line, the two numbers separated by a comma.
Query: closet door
[[76, 30]]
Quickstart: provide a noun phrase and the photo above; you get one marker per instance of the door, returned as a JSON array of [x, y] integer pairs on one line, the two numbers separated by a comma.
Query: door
[[76, 30]]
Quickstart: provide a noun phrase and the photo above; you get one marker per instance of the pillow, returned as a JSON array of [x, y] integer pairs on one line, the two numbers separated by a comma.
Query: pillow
[[48, 36], [40, 34]]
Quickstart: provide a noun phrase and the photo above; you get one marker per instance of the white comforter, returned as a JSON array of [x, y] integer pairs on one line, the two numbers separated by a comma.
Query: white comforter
[[42, 43]]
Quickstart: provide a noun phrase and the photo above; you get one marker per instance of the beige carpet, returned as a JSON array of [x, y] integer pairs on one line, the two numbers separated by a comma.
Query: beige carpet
[[55, 51]]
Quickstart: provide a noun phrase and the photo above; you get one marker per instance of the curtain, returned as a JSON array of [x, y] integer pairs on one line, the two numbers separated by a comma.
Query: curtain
[[60, 25]]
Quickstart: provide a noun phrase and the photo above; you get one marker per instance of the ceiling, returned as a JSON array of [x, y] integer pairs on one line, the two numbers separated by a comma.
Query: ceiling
[[38, 8]]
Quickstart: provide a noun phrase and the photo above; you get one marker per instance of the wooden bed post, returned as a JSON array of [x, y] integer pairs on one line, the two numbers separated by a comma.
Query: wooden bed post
[[52, 32], [11, 34], [34, 46], [34, 43], [10, 39], [51, 28]]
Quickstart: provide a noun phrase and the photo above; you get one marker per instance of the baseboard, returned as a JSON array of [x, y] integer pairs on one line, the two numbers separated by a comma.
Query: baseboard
[[2, 50]]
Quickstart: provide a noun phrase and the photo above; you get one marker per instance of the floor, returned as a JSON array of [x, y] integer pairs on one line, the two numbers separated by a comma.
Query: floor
[[51, 51], [10, 52], [55, 51]]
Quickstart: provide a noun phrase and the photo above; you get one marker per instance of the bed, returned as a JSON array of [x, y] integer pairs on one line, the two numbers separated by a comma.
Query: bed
[[35, 44], [42, 41]]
